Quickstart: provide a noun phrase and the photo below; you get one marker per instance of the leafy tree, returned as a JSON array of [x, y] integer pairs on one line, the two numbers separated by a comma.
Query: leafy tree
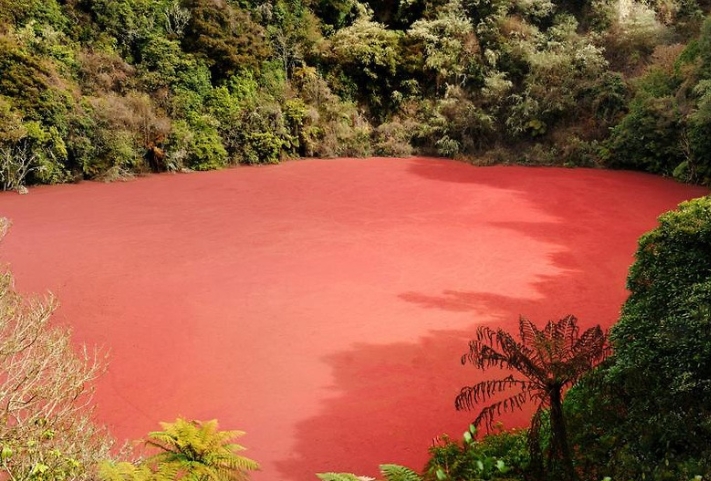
[[697, 167], [20, 12], [648, 137], [335, 14], [293, 32], [449, 44], [196, 145], [127, 135], [659, 380], [367, 53], [549, 360], [561, 65], [497, 455], [226, 37], [46, 432], [128, 22]]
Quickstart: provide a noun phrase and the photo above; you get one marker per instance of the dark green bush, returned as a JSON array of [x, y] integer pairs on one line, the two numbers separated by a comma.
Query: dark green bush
[[502, 455], [648, 137], [648, 413]]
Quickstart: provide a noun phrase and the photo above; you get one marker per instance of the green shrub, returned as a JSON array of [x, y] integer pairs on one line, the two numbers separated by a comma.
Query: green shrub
[[195, 145], [648, 137], [262, 148], [503, 455], [393, 138], [646, 415]]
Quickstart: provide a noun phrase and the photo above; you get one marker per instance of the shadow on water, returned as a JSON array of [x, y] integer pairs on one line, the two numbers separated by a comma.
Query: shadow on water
[[383, 405], [388, 402]]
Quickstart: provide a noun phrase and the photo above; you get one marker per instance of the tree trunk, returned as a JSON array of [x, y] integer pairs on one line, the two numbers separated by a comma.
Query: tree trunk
[[559, 457]]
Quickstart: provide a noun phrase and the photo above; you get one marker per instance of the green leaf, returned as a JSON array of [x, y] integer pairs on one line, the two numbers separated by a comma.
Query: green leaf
[[6, 453], [395, 472]]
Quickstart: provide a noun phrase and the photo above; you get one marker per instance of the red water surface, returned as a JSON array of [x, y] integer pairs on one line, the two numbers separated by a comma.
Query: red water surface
[[323, 305]]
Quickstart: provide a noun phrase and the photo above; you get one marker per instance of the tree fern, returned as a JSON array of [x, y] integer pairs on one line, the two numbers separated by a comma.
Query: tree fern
[[197, 451], [549, 360], [342, 477], [395, 472], [124, 471]]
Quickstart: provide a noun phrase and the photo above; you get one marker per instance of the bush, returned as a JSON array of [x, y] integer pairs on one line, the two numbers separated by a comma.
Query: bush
[[190, 450], [197, 145], [503, 455], [651, 404], [393, 138], [647, 138]]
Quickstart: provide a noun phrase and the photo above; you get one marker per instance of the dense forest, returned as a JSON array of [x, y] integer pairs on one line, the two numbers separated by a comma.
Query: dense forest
[[104, 89]]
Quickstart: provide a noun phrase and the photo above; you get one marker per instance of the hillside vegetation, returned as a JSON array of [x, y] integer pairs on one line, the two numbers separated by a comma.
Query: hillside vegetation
[[102, 89]]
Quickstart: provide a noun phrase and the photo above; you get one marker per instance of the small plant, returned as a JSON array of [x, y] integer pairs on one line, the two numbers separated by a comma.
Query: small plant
[[448, 147], [342, 477], [200, 450], [470, 459], [187, 450]]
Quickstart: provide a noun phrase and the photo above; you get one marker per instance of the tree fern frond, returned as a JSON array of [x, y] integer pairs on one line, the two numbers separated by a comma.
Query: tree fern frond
[[342, 477], [470, 396], [123, 471], [198, 450], [567, 330], [395, 472], [486, 334], [528, 332], [487, 415]]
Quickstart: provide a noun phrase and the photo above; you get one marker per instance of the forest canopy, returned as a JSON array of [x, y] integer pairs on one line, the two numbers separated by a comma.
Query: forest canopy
[[104, 89]]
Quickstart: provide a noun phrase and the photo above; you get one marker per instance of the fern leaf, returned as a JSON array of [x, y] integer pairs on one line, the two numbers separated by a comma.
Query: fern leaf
[[342, 477], [395, 472]]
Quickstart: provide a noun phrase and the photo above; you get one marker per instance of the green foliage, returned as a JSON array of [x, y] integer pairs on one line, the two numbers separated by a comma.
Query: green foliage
[[21, 12], [648, 411], [666, 129], [390, 472], [197, 144], [394, 138], [560, 69], [367, 53], [128, 22], [225, 36], [293, 32], [497, 456], [164, 65], [697, 167], [186, 450], [123, 135], [448, 44], [395, 472], [648, 137], [340, 477], [124, 471], [233, 81], [463, 125], [335, 14], [198, 450]]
